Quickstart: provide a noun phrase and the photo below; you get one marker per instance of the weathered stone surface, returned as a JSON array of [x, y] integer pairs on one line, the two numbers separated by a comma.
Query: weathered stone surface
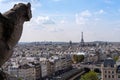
[[11, 26]]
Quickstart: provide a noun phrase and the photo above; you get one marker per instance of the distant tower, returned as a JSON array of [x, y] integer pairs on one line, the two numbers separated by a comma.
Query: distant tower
[[70, 43], [82, 40]]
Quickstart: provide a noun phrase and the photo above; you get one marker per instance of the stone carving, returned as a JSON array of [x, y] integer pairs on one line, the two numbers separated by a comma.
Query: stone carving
[[11, 26]]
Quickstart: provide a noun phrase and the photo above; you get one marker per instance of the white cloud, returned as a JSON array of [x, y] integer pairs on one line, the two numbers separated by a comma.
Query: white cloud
[[101, 11], [85, 13], [87, 17], [83, 17], [53, 29], [42, 23], [80, 19], [62, 21], [44, 20], [34, 31]]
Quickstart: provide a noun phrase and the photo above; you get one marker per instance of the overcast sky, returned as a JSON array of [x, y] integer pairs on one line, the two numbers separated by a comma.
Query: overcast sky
[[64, 20]]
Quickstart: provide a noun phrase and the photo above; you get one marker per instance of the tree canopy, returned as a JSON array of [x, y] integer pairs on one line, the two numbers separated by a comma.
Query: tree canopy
[[116, 58], [91, 75], [78, 58]]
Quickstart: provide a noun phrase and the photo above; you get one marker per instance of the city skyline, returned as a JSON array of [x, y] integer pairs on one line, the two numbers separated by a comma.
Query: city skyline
[[64, 20]]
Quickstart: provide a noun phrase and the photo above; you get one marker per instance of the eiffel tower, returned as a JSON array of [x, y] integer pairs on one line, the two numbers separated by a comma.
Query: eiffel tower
[[82, 40]]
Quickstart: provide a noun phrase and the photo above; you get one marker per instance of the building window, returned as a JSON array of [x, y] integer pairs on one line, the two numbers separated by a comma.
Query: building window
[[112, 72], [105, 76], [118, 76], [112, 76], [105, 71], [108, 71], [108, 76]]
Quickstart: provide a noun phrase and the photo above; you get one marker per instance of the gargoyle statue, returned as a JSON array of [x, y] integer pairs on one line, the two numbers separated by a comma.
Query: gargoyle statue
[[11, 26]]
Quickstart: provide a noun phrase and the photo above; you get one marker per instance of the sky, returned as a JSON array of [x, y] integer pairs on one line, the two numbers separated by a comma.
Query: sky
[[64, 20]]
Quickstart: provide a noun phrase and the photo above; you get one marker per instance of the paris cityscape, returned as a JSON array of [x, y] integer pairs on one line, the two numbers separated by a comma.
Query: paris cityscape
[[63, 40], [57, 61]]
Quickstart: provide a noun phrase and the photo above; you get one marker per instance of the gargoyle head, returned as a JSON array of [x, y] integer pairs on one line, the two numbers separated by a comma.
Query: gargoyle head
[[25, 10]]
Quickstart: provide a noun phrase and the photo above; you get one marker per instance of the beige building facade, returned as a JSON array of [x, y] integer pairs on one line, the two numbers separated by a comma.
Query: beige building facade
[[110, 70]]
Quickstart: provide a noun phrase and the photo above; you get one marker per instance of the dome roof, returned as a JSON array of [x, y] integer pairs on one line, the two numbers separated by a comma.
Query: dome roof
[[109, 62]]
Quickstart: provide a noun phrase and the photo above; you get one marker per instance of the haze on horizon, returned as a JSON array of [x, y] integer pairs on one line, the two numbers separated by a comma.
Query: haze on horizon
[[64, 20]]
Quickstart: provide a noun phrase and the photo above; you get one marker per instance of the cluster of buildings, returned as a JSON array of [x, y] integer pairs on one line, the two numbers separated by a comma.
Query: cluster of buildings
[[41, 60], [33, 68]]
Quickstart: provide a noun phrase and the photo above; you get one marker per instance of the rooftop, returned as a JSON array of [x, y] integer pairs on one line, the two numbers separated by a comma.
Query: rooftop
[[109, 62]]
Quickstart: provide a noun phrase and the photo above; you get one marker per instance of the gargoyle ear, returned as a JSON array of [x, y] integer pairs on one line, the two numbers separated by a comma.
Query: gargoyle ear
[[29, 5], [15, 5]]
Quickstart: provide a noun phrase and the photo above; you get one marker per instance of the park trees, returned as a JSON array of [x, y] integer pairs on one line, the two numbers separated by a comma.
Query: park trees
[[91, 75], [78, 58]]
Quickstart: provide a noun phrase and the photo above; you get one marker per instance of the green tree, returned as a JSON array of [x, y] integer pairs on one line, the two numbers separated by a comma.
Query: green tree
[[78, 58], [91, 75], [75, 58], [19, 78], [116, 58]]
